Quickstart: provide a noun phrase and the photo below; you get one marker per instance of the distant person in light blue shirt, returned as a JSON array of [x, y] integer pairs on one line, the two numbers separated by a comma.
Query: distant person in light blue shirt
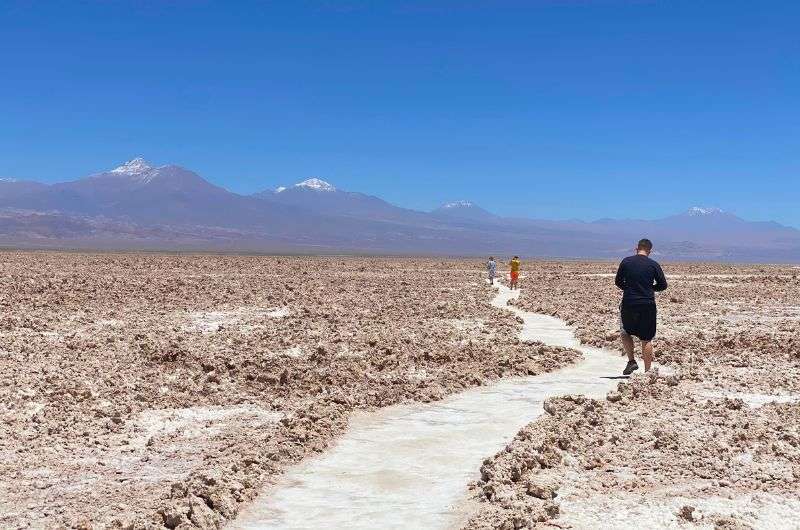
[[491, 266]]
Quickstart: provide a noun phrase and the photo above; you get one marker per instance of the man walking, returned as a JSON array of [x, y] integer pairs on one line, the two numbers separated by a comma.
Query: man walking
[[491, 267], [639, 276], [514, 272]]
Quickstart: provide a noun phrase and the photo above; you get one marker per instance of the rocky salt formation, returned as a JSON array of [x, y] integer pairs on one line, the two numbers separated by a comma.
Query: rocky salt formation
[[715, 444], [647, 443], [151, 391]]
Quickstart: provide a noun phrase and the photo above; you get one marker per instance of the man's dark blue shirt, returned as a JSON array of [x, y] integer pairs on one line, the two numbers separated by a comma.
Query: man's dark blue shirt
[[639, 276]]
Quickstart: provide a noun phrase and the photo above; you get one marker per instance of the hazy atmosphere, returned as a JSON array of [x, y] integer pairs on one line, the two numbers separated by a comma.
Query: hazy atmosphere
[[543, 109]]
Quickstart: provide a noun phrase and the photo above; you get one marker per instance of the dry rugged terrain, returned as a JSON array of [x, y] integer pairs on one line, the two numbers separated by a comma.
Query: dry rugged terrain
[[712, 439], [149, 391]]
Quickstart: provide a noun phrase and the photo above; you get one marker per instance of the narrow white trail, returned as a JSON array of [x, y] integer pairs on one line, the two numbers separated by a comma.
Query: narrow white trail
[[408, 466]]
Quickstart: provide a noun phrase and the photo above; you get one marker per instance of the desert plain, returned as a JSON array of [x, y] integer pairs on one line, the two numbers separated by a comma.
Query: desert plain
[[148, 391]]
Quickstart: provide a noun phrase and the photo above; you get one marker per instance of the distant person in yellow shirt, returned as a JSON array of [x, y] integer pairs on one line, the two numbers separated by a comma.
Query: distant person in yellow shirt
[[514, 272]]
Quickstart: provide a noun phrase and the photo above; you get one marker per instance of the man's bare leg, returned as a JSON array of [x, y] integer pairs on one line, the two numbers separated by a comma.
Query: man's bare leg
[[627, 345], [647, 354]]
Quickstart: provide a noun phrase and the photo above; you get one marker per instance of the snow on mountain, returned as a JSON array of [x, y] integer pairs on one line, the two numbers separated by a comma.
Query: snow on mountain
[[137, 171], [697, 211], [464, 211], [315, 184], [170, 202], [138, 174], [322, 198], [137, 191], [137, 166], [457, 204]]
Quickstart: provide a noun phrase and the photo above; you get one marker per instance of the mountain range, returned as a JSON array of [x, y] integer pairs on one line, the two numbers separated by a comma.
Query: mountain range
[[141, 206]]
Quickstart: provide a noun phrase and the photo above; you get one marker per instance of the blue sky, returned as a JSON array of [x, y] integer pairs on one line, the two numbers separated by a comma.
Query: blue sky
[[552, 109]]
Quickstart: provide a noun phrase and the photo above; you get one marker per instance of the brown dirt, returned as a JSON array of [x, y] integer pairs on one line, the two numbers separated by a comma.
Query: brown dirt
[[151, 391]]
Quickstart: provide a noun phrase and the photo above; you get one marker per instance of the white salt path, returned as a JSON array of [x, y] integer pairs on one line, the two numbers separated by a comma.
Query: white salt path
[[408, 466]]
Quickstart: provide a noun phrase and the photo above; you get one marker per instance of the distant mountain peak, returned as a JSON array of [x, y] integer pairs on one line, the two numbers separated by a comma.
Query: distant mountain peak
[[8, 179], [315, 184], [463, 210], [137, 166], [457, 204], [697, 211]]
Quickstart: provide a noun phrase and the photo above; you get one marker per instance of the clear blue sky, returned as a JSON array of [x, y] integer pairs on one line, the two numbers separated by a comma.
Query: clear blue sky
[[555, 109]]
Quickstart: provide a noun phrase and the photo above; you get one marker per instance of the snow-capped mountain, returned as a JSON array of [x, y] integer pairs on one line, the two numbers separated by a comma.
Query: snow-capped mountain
[[321, 197], [696, 211], [708, 228], [139, 174], [138, 191], [457, 204], [141, 205], [311, 184], [135, 167], [315, 184], [464, 211]]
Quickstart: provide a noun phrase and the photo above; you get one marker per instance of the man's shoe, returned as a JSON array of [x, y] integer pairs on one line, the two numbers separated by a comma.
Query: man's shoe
[[630, 367]]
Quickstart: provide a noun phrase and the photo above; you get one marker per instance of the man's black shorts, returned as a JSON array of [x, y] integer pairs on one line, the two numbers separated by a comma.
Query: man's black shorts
[[639, 320]]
